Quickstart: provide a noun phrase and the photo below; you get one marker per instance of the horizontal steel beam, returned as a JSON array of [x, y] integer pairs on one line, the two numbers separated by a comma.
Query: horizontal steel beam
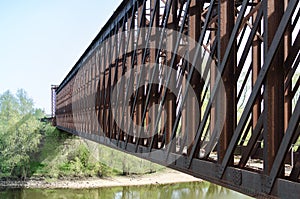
[[241, 180]]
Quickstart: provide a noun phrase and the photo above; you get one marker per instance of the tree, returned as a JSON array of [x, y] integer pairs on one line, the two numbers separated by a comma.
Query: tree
[[19, 132]]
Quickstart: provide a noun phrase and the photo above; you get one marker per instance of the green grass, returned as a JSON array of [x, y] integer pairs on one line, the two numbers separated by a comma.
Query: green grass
[[62, 155]]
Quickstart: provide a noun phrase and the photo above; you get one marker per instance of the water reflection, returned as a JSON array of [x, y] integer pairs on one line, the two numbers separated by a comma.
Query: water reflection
[[173, 191]]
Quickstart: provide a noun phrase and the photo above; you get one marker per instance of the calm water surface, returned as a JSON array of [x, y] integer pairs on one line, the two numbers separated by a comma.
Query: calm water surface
[[174, 191]]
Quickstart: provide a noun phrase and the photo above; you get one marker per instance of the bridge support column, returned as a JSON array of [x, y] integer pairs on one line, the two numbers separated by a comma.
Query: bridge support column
[[274, 85], [101, 90], [213, 74], [193, 100], [287, 94], [226, 24], [121, 69], [107, 89], [141, 74], [153, 111], [114, 76], [130, 27], [256, 65], [170, 103]]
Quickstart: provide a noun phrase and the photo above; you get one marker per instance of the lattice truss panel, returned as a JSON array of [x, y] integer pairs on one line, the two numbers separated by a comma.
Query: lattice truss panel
[[210, 88]]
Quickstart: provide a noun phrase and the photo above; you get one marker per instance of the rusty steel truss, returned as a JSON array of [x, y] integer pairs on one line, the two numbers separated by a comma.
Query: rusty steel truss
[[248, 48]]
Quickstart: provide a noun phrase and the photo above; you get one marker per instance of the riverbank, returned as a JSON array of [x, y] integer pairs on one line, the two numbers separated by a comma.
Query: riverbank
[[167, 176]]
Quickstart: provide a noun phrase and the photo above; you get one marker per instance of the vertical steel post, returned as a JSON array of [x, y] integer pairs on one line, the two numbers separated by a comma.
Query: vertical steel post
[[107, 88], [140, 64], [93, 80], [256, 64], [89, 110], [184, 132], [85, 90], [287, 95], [110, 82], [226, 24], [97, 95], [193, 101], [154, 90], [101, 83], [131, 31], [274, 85], [115, 73], [213, 74], [170, 103], [123, 54]]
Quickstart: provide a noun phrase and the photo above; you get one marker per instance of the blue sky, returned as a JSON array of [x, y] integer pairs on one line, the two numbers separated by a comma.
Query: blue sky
[[40, 41]]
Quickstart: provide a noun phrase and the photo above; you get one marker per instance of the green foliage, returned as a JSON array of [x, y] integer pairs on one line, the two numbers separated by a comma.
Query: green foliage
[[62, 155], [124, 164], [19, 133], [30, 148], [79, 163]]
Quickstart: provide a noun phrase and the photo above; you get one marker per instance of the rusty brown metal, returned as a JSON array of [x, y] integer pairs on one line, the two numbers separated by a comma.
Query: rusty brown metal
[[226, 23], [287, 95], [213, 74], [100, 94], [196, 82], [171, 98], [273, 94], [154, 91], [141, 73], [130, 27], [256, 64], [254, 47]]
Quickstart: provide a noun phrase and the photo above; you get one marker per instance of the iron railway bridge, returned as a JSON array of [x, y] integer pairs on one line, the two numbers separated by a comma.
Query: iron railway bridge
[[206, 87]]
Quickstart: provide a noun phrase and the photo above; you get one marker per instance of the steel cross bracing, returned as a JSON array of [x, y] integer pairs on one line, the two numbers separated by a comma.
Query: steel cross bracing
[[210, 88]]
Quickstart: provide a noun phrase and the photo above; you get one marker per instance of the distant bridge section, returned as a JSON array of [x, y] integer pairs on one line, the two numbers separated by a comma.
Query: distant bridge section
[[207, 87]]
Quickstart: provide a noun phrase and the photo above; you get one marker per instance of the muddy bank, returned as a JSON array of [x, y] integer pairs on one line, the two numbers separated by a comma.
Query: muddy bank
[[167, 176]]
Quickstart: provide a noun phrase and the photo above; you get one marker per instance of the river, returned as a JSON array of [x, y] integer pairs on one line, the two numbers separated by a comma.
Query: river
[[172, 191]]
